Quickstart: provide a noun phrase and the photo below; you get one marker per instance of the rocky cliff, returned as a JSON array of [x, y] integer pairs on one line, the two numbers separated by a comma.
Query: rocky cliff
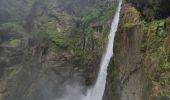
[[140, 67], [46, 44]]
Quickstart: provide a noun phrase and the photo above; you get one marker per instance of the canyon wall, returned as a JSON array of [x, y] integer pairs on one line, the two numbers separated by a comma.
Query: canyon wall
[[47, 45], [140, 67]]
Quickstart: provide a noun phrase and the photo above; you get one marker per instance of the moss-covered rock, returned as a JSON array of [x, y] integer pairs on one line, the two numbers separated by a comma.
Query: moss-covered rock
[[54, 34], [144, 44]]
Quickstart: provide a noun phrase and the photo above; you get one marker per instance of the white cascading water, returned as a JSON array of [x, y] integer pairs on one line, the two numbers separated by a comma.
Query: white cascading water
[[96, 93]]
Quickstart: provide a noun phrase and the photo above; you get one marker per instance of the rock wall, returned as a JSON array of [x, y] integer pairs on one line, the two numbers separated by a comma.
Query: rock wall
[[42, 49], [140, 67]]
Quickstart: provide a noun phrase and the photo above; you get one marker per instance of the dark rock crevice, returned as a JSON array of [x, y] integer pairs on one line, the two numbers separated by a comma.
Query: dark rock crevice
[[151, 9]]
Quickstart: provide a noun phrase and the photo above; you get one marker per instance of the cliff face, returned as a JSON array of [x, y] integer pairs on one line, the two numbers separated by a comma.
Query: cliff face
[[28, 68], [46, 44], [140, 67], [152, 8]]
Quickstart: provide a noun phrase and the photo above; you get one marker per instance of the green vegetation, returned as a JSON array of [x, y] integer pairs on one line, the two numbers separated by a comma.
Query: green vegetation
[[130, 17], [55, 36], [154, 33], [9, 25], [88, 41], [102, 36], [10, 28], [112, 72], [107, 12], [14, 42], [97, 13], [85, 19], [164, 63], [128, 25], [88, 44]]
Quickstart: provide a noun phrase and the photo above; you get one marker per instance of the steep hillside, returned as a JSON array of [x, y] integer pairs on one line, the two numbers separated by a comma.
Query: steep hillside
[[46, 44], [140, 68]]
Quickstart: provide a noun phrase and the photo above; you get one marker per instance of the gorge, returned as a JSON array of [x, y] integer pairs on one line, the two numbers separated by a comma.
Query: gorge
[[84, 50]]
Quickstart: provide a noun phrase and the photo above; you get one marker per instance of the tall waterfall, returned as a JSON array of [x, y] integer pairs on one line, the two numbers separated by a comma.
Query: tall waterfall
[[96, 93]]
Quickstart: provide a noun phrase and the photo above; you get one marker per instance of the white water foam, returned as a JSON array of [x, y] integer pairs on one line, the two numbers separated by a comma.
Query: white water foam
[[96, 93]]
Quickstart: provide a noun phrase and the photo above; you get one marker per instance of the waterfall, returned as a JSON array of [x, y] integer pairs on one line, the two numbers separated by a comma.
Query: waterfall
[[96, 93]]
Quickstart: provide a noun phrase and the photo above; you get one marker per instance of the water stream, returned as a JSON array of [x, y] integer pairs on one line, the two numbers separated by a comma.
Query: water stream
[[96, 93]]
